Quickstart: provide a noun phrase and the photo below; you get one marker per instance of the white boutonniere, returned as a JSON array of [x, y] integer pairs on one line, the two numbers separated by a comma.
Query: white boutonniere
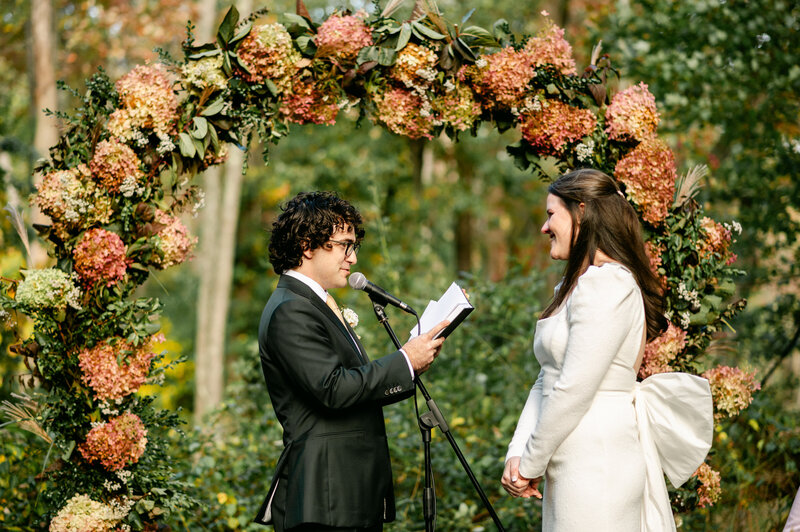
[[350, 317]]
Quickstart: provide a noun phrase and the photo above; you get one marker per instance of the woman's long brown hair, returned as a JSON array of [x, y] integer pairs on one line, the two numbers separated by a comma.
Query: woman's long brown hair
[[609, 224]]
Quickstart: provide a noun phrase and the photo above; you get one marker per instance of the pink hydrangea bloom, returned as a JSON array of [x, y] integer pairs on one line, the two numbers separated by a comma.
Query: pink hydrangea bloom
[[550, 48], [555, 125], [732, 390], [268, 53], [147, 101], [116, 167], [402, 112], [118, 443], [100, 257], [709, 490], [501, 79], [649, 173], [115, 371], [717, 240], [632, 114], [341, 37], [305, 103], [173, 240], [661, 351]]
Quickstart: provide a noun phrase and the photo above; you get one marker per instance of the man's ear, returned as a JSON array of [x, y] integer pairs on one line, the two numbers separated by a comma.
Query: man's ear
[[307, 253]]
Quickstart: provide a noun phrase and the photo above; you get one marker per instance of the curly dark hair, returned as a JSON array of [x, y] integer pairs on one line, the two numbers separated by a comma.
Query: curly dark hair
[[307, 222]]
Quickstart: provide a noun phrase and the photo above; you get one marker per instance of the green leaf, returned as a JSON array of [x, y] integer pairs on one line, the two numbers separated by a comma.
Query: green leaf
[[186, 145], [225, 32], [499, 30], [386, 56], [306, 44], [465, 18], [242, 33], [463, 50], [298, 20], [405, 35], [479, 37], [426, 31], [214, 138], [199, 147], [68, 450], [210, 53], [214, 107], [367, 54], [200, 127], [271, 87]]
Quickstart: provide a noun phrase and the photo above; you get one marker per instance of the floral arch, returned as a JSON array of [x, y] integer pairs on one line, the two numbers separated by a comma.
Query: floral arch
[[122, 172]]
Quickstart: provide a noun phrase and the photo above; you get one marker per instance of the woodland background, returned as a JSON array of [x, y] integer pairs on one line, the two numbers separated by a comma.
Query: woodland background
[[727, 81]]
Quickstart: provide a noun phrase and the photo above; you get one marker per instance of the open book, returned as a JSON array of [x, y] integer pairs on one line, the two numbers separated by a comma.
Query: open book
[[452, 306]]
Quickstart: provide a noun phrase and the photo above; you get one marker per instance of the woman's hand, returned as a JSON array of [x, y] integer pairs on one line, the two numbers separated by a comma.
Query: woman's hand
[[517, 485]]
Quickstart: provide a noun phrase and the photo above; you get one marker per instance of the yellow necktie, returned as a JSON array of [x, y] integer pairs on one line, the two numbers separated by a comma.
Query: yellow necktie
[[335, 308]]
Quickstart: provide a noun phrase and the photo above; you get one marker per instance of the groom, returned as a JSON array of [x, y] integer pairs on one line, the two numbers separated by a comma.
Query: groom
[[334, 472]]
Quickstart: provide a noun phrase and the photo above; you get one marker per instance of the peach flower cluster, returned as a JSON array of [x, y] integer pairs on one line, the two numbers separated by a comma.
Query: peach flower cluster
[[654, 252], [649, 173], [549, 47], [305, 103], [709, 489], [632, 114], [732, 390], [83, 514], [716, 242], [415, 66], [147, 101], [457, 107], [72, 200], [100, 257], [554, 125], [119, 442], [116, 167], [500, 79], [401, 111], [341, 37], [269, 54], [115, 371], [172, 241], [661, 351]]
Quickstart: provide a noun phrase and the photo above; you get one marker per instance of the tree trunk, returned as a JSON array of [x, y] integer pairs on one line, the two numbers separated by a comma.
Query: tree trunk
[[44, 97], [217, 251]]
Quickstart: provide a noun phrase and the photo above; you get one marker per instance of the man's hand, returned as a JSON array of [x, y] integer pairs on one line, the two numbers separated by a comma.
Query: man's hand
[[517, 485], [421, 350]]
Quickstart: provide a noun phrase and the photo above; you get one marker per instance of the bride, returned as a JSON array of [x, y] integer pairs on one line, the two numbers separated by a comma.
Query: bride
[[601, 441]]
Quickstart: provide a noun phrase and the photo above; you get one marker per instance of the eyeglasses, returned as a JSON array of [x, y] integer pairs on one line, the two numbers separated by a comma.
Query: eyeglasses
[[349, 247]]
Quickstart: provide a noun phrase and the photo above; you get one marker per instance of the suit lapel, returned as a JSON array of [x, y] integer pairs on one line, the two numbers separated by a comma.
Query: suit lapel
[[301, 289]]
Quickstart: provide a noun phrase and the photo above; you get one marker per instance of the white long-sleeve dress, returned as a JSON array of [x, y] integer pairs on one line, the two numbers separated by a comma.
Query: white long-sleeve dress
[[591, 430]]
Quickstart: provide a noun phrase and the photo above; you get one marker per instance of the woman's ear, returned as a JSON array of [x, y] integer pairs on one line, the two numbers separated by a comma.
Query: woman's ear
[[581, 210]]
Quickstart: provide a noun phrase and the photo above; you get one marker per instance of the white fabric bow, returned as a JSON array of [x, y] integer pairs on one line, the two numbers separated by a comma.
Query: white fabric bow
[[675, 415]]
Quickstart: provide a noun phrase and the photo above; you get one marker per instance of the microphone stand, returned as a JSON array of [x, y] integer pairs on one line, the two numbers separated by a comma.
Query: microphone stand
[[428, 421]]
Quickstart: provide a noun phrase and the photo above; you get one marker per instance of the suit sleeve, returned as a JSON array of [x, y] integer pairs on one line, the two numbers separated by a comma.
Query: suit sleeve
[[598, 320], [527, 420], [302, 346]]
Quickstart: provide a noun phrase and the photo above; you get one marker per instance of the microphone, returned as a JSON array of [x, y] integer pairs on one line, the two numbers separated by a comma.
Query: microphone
[[376, 293]]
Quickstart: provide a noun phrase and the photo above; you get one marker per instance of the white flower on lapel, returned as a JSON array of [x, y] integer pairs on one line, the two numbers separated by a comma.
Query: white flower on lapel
[[350, 317]]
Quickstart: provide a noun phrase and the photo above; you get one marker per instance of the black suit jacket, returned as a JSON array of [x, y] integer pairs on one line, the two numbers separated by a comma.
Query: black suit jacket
[[327, 395]]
